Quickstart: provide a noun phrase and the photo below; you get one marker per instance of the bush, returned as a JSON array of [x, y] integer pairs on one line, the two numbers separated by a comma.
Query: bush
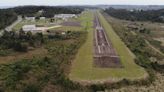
[[21, 46], [21, 41], [97, 87], [32, 88], [4, 52]]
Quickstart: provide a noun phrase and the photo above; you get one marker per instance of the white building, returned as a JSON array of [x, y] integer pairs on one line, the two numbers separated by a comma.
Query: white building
[[30, 18], [41, 11], [27, 28], [65, 16], [33, 28], [63, 33], [42, 18]]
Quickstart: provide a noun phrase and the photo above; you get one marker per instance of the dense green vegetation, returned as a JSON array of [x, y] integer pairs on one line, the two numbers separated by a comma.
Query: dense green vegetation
[[20, 41], [157, 44], [137, 15], [36, 74], [7, 17], [48, 11]]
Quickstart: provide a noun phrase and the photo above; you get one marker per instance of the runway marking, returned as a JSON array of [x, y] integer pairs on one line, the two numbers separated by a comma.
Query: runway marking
[[105, 55], [99, 49]]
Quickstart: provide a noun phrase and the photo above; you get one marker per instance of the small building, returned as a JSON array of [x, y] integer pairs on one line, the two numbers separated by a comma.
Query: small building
[[65, 16], [27, 28], [30, 18], [33, 28], [63, 33], [41, 11], [42, 18]]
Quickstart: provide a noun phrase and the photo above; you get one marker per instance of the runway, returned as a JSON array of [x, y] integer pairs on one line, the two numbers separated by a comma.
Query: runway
[[104, 53]]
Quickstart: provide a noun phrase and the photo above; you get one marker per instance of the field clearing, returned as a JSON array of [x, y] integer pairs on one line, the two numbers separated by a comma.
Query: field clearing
[[82, 67], [18, 55]]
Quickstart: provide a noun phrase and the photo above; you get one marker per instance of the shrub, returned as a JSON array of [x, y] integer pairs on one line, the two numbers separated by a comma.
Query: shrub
[[97, 87], [31, 88]]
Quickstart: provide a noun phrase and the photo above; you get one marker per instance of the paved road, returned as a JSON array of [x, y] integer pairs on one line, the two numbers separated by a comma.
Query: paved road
[[9, 28], [104, 53]]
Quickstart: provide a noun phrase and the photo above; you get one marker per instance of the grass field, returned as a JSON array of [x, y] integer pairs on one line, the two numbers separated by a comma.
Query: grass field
[[45, 22], [82, 67]]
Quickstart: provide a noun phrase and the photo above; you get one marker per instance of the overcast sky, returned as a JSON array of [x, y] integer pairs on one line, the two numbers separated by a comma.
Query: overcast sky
[[79, 2]]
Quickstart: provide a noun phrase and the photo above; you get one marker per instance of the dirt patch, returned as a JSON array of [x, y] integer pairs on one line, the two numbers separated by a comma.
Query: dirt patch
[[71, 23]]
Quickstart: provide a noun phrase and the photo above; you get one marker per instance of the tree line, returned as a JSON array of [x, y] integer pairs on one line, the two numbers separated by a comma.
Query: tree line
[[20, 41], [48, 11], [137, 15], [7, 16]]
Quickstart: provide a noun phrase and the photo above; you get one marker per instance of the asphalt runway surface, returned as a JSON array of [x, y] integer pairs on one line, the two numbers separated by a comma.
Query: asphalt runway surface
[[105, 55]]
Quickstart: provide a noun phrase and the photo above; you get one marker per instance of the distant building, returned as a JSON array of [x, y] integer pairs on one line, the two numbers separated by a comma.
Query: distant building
[[42, 18], [65, 16], [41, 11], [132, 10], [27, 28], [30, 18], [33, 28], [63, 33]]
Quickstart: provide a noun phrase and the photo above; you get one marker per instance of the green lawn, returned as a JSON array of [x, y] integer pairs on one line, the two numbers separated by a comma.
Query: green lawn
[[82, 67]]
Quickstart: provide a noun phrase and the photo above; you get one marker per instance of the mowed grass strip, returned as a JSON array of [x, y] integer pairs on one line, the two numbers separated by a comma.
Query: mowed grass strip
[[82, 67]]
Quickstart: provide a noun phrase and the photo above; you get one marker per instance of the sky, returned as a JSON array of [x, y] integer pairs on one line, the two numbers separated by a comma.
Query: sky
[[79, 2]]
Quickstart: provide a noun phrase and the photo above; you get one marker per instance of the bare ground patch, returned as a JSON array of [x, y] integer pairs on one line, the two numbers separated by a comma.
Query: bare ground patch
[[71, 23], [18, 55]]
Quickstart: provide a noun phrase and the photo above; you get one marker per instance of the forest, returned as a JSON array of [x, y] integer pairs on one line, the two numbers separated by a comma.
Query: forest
[[48, 11], [137, 15], [7, 16], [19, 41]]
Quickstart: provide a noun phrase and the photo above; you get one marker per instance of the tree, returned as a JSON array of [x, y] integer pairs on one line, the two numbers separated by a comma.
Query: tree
[[7, 17], [21, 46], [29, 35], [22, 34]]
